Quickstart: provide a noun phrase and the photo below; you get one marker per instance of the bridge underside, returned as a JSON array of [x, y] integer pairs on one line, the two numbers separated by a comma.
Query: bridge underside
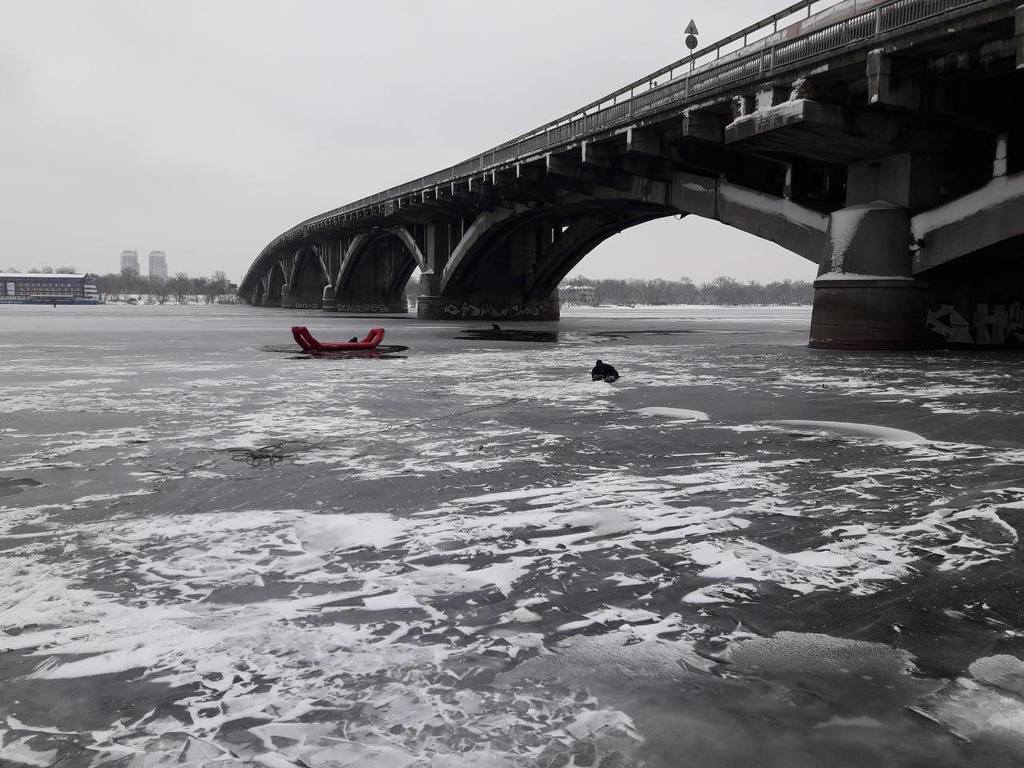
[[509, 263], [895, 166]]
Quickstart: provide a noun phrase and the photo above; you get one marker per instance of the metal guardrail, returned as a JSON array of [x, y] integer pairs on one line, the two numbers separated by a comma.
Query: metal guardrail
[[759, 50]]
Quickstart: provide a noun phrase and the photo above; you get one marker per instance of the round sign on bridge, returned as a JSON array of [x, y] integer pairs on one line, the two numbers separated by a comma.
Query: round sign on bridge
[[691, 35]]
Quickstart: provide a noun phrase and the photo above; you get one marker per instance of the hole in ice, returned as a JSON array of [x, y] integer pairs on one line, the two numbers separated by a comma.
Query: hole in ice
[[382, 352], [510, 334]]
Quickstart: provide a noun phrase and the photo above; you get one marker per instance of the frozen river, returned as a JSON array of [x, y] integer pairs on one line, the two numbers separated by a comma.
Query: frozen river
[[465, 554]]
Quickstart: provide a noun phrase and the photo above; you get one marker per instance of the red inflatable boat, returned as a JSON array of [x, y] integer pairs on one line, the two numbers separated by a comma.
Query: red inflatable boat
[[305, 340]]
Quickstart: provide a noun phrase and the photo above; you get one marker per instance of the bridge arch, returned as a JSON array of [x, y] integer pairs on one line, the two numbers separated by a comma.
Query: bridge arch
[[487, 227], [510, 261], [275, 285], [309, 277], [375, 270], [257, 291], [581, 237]]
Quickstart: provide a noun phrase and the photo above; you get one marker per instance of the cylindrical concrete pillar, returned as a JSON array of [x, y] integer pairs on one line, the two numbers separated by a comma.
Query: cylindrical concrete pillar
[[428, 303], [856, 312], [553, 307], [328, 303], [865, 296]]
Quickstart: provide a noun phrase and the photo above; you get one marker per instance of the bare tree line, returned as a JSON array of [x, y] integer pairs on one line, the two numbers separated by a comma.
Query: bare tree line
[[178, 286], [721, 290], [45, 270]]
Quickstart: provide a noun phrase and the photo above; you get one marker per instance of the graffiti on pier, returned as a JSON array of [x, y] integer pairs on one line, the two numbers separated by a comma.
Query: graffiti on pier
[[990, 325], [466, 311], [364, 308], [308, 305]]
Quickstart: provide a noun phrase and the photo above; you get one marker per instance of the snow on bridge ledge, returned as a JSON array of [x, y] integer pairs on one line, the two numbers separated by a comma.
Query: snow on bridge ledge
[[775, 206], [996, 192]]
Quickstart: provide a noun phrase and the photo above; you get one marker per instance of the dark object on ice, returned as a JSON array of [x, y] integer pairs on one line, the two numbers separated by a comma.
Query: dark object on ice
[[10, 486], [353, 339], [495, 327], [604, 372], [305, 340], [268, 455], [508, 334]]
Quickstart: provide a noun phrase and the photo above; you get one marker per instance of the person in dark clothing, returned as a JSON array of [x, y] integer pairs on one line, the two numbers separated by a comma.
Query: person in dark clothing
[[353, 340], [604, 372]]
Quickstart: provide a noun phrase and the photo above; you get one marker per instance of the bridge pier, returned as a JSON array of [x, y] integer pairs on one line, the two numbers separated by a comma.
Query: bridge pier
[[864, 295], [428, 302], [373, 306], [486, 308], [328, 303], [863, 312]]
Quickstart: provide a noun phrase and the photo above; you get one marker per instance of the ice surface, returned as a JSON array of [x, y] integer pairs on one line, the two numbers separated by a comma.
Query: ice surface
[[325, 533], [1003, 671], [850, 430], [675, 414], [797, 653], [19, 752], [454, 570]]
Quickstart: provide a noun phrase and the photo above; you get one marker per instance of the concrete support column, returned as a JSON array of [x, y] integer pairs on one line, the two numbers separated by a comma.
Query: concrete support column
[[705, 126], [328, 303], [437, 248], [999, 164], [553, 306], [771, 95], [428, 301], [885, 88], [864, 296]]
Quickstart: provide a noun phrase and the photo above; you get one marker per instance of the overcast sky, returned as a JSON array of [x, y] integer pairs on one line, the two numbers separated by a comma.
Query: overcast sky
[[207, 127]]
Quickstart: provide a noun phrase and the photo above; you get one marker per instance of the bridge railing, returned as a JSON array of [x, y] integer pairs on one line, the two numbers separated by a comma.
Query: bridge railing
[[836, 24]]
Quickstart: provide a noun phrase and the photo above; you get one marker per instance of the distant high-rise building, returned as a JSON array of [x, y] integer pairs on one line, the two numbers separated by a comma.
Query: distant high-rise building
[[157, 265], [130, 262]]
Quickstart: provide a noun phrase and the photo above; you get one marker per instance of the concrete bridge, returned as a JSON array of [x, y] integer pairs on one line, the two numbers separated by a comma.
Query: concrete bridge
[[880, 139]]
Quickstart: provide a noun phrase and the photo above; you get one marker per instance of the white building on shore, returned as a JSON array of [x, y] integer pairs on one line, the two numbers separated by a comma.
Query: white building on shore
[[577, 294], [47, 288]]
